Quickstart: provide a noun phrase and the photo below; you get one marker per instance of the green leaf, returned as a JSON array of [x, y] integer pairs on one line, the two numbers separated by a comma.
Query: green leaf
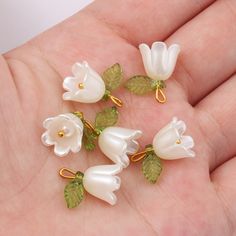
[[74, 191], [139, 84], [89, 139], [112, 77], [107, 117], [151, 167]]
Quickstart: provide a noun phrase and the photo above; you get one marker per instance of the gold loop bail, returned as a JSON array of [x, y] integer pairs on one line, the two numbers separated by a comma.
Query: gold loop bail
[[138, 156], [86, 123], [63, 171], [160, 96], [116, 100]]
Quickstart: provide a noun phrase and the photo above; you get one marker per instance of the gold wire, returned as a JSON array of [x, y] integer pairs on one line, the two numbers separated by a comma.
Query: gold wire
[[66, 176], [138, 156], [86, 123], [160, 96], [90, 126], [116, 100]]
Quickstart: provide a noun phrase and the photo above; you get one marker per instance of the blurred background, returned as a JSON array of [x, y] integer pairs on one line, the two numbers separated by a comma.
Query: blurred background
[[20, 20]]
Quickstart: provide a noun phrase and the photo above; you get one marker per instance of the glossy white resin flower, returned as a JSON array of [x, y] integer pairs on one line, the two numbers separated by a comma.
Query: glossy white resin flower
[[117, 142], [170, 143], [159, 62], [65, 132], [85, 86], [101, 182]]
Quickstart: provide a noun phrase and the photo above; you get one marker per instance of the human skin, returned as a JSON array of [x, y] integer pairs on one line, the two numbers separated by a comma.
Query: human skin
[[193, 196]]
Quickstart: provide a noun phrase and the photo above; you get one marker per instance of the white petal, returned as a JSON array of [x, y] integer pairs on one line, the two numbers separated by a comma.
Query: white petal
[[187, 142], [173, 53], [76, 146], [180, 126], [162, 142], [105, 169], [79, 70], [71, 84], [102, 187], [123, 132], [61, 151], [147, 59], [47, 122], [159, 54], [133, 147], [175, 152], [77, 121], [114, 148], [46, 139], [68, 96]]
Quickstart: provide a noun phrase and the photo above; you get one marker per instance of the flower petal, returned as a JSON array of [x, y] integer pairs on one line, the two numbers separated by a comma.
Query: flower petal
[[76, 146], [173, 53], [180, 126], [187, 142], [165, 140], [60, 150], [46, 139], [159, 54], [68, 96], [79, 70], [114, 148], [147, 59], [71, 84], [105, 169], [47, 122], [132, 147], [123, 133], [176, 152]]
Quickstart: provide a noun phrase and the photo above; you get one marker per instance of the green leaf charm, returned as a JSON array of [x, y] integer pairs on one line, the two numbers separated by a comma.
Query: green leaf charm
[[89, 139], [112, 77], [139, 84], [107, 117], [74, 191], [151, 167]]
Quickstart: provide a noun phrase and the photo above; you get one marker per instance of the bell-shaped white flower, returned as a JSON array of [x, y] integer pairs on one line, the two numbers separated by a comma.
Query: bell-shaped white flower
[[85, 86], [65, 132], [117, 142], [170, 143], [100, 181], [159, 62]]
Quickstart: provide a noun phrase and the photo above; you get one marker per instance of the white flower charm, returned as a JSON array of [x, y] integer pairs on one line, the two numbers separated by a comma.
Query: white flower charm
[[65, 132], [85, 86], [116, 143], [170, 143], [159, 62], [100, 181]]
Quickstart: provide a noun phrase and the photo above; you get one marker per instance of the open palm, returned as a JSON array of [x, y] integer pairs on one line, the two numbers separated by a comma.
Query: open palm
[[193, 196]]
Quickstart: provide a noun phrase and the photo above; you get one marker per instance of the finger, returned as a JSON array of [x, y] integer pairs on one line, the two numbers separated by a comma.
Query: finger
[[217, 119], [103, 25], [207, 50], [7, 85], [146, 21], [224, 179]]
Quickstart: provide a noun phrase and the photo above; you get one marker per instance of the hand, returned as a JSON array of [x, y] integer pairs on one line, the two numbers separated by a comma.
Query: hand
[[192, 196]]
